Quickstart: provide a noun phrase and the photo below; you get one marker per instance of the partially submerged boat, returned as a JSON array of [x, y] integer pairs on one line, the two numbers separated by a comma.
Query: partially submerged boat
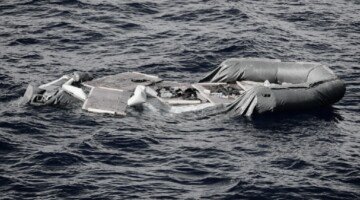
[[244, 86]]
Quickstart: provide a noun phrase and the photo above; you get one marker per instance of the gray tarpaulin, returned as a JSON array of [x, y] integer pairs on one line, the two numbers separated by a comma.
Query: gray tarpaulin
[[298, 85]]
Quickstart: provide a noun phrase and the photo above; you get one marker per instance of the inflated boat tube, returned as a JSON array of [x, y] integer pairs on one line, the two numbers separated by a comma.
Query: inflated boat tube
[[294, 85], [139, 96]]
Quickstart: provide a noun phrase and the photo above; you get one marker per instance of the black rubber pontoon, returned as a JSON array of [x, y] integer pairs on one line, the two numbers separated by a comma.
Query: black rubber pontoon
[[293, 85]]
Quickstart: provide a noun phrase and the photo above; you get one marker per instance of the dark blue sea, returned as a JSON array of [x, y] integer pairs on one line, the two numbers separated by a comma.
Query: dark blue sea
[[66, 153]]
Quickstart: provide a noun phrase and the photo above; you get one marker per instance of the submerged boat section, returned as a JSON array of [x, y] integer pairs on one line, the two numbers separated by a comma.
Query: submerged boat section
[[242, 86]]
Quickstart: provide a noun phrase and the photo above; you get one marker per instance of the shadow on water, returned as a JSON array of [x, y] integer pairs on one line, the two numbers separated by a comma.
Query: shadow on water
[[327, 114]]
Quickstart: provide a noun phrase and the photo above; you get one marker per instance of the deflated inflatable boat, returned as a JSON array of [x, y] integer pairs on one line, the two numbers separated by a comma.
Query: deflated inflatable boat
[[240, 86]]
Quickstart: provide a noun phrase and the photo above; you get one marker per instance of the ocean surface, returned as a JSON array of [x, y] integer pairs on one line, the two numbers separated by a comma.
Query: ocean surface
[[62, 153]]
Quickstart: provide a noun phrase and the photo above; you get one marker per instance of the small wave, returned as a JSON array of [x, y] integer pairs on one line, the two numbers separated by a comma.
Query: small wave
[[53, 25], [128, 26], [25, 41], [188, 170], [290, 164], [319, 47], [180, 17], [7, 7], [124, 143], [23, 128], [69, 190], [6, 146], [56, 159], [5, 181], [33, 56], [236, 12], [146, 8]]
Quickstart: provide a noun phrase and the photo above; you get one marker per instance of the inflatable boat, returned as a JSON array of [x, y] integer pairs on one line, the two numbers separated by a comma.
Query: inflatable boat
[[243, 86]]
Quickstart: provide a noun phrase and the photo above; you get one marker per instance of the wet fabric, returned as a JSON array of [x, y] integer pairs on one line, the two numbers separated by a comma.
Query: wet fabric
[[40, 97], [52, 93]]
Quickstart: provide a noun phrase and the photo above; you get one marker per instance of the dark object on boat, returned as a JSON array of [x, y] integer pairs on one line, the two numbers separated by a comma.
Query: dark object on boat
[[170, 92], [138, 80], [190, 94], [290, 85], [226, 90]]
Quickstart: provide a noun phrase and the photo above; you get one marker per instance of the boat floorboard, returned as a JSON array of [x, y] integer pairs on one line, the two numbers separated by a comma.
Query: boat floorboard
[[102, 100], [125, 81]]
